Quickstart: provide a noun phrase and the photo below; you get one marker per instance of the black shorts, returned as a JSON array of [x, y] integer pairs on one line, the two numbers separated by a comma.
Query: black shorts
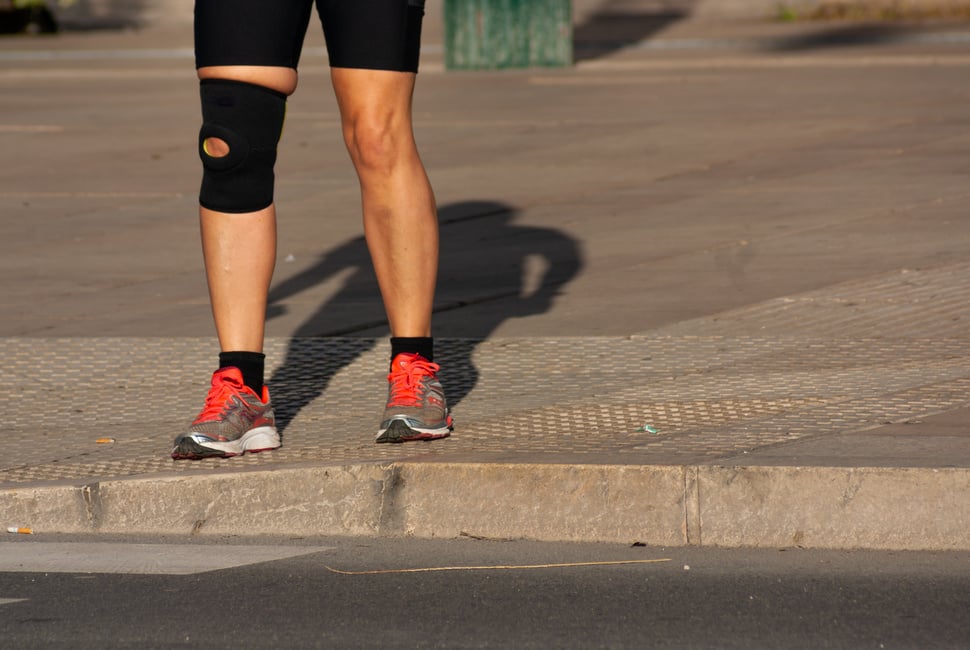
[[369, 34]]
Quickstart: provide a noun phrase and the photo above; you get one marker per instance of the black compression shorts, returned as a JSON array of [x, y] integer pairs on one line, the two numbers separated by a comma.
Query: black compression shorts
[[369, 34]]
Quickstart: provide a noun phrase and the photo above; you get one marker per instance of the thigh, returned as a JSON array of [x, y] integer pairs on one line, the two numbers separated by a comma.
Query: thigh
[[250, 32], [373, 34], [374, 96]]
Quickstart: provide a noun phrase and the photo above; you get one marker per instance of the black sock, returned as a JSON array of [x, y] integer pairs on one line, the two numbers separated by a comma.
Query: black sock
[[250, 364], [423, 345]]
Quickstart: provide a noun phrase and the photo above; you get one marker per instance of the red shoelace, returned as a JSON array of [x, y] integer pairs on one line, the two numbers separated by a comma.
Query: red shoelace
[[407, 373], [225, 383]]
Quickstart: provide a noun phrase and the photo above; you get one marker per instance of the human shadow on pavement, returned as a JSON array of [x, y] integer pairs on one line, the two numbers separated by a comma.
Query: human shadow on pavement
[[491, 269], [615, 26]]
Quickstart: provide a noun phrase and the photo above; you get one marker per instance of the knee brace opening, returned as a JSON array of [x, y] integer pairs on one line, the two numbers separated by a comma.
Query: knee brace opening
[[214, 147], [240, 132], [230, 151]]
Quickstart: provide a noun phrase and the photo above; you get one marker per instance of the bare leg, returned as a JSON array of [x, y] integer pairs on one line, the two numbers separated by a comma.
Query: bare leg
[[240, 249], [240, 255], [400, 221]]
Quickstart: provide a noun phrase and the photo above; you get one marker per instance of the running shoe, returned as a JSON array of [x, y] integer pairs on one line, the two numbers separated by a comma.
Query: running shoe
[[416, 407], [233, 421]]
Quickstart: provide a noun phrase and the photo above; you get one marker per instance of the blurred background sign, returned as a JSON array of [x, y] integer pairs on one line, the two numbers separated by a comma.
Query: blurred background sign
[[498, 34]]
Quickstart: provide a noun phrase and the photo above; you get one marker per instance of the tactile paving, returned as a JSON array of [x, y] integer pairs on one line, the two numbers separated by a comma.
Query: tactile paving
[[712, 388]]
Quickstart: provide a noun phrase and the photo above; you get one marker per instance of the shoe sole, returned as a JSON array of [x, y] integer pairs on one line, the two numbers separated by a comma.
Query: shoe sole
[[400, 431], [196, 446]]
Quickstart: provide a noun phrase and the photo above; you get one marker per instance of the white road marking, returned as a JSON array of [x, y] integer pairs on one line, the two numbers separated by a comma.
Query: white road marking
[[7, 601], [30, 128], [91, 195], [144, 559]]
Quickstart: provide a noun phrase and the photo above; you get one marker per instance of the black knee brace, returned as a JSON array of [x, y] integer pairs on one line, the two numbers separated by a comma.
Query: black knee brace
[[249, 118]]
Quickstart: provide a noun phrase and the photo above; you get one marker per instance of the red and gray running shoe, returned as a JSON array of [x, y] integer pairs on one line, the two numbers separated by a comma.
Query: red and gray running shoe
[[416, 406], [233, 421]]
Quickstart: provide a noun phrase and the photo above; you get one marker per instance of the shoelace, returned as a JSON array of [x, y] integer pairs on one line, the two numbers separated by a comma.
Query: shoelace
[[407, 386], [223, 387]]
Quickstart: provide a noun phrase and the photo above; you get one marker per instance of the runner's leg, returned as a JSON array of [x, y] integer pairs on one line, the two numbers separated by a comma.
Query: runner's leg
[[246, 56], [400, 220]]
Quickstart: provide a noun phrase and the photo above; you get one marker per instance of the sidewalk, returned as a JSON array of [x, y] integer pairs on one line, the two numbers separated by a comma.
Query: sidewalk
[[750, 238]]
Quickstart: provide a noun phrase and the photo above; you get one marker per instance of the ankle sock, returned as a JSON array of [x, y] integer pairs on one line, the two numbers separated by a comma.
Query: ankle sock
[[423, 345], [250, 364]]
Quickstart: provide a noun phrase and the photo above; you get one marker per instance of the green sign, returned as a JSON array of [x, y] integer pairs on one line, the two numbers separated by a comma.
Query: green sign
[[497, 34]]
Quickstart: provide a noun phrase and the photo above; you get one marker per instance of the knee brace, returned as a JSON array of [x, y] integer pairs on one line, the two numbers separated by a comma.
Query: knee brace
[[249, 119]]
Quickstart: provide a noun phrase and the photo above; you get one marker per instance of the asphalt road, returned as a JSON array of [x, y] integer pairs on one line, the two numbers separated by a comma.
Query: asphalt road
[[68, 592]]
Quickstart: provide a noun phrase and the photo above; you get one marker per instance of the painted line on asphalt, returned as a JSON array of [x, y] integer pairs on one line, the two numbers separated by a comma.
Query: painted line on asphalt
[[772, 43], [783, 62], [9, 601], [131, 54], [70, 74], [137, 559], [91, 195], [31, 128]]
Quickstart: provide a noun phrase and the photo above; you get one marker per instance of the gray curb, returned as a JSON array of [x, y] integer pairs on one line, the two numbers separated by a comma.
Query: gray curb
[[812, 507]]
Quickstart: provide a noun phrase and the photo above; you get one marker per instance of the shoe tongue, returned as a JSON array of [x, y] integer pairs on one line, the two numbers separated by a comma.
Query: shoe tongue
[[229, 375]]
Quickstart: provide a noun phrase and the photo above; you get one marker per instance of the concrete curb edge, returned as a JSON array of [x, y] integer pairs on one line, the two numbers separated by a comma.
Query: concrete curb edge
[[661, 505]]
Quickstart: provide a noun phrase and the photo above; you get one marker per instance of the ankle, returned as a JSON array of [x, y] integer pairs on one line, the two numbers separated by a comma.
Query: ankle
[[423, 345], [250, 364]]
